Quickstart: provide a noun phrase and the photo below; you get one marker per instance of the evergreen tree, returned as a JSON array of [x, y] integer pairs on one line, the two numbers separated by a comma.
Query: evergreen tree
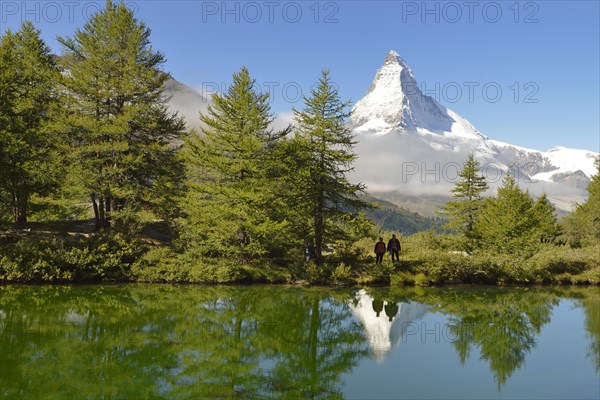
[[544, 215], [231, 206], [513, 223], [121, 133], [464, 211], [27, 93], [583, 225], [324, 155]]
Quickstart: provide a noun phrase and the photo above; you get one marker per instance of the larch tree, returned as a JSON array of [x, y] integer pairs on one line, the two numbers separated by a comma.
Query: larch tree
[[27, 92], [232, 201], [465, 208], [122, 136], [544, 214], [513, 223], [583, 225], [324, 156]]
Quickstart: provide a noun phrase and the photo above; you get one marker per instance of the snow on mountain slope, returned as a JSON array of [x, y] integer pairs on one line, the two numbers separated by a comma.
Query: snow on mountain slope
[[570, 160], [394, 100], [553, 165], [409, 143]]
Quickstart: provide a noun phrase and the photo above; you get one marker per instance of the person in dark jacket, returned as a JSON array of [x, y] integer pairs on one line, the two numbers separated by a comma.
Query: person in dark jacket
[[394, 247], [379, 251]]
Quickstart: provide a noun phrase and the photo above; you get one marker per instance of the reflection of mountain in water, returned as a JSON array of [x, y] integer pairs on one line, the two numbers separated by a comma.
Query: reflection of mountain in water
[[384, 323]]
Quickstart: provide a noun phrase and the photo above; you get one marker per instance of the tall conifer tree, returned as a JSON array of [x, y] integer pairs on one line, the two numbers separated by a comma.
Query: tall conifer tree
[[513, 223], [231, 206], [120, 130], [583, 225], [465, 209], [324, 157], [27, 93]]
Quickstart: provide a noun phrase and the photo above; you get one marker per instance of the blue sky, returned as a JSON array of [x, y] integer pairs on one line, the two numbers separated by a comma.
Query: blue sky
[[523, 72]]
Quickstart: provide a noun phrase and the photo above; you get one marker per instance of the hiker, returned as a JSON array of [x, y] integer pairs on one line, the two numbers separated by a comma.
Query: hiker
[[391, 309], [378, 306], [394, 247], [379, 250]]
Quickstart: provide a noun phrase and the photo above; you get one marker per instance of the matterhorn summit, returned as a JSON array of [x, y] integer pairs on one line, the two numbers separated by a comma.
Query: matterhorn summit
[[394, 101], [411, 145]]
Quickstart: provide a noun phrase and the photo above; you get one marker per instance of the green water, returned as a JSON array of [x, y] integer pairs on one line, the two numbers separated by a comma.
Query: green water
[[192, 342]]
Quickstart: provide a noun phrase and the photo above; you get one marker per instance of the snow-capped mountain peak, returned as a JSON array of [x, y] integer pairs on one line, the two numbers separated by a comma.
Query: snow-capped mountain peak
[[394, 100], [394, 61], [419, 141]]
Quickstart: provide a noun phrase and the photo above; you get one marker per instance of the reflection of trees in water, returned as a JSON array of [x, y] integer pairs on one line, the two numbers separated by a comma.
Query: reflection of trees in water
[[73, 343], [174, 342], [504, 329], [501, 323], [591, 305], [205, 342], [316, 341]]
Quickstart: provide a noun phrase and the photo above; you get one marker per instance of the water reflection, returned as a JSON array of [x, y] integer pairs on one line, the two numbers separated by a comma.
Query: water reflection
[[267, 342], [384, 331]]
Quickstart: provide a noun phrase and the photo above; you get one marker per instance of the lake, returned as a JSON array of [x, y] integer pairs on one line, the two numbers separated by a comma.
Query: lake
[[191, 342]]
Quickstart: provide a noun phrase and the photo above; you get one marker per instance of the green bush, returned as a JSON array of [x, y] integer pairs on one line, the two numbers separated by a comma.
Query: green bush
[[104, 258], [550, 263], [402, 279], [159, 264], [421, 280], [342, 274]]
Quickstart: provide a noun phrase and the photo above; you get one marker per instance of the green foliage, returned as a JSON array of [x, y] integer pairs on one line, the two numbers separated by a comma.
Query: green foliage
[[512, 223], [241, 203], [28, 160], [316, 273], [402, 278], [552, 261], [103, 258], [464, 211], [231, 209], [342, 274], [322, 156], [114, 114], [421, 279], [582, 227]]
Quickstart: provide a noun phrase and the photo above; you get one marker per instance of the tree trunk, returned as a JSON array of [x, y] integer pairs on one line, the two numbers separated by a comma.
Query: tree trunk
[[319, 223], [21, 214], [19, 209], [102, 212], [319, 232], [96, 211], [14, 208]]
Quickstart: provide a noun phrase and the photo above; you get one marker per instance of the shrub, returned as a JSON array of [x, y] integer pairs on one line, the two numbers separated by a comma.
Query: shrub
[[342, 274], [553, 261], [421, 280], [100, 258], [159, 264], [402, 279]]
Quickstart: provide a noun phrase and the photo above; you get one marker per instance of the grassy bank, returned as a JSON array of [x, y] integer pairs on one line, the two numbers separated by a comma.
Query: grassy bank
[[37, 255]]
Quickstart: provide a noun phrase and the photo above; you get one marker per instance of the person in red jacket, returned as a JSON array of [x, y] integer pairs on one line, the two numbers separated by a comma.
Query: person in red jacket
[[394, 248], [379, 250]]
